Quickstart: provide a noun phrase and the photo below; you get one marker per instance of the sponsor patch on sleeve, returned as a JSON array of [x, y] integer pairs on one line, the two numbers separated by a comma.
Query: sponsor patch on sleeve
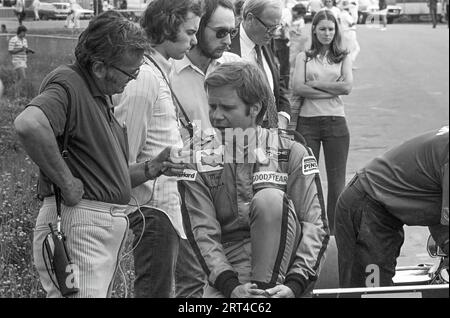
[[187, 175], [309, 165]]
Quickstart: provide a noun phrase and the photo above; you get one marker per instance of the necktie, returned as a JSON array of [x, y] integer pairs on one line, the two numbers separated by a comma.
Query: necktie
[[271, 113]]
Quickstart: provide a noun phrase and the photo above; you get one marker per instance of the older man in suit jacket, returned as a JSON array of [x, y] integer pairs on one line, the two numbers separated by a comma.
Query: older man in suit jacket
[[261, 19]]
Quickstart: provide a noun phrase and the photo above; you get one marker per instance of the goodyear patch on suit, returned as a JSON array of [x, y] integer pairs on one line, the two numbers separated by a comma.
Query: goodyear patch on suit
[[270, 177], [309, 165]]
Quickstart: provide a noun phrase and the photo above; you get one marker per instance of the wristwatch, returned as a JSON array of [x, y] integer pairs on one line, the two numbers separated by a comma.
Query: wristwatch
[[147, 169], [147, 172]]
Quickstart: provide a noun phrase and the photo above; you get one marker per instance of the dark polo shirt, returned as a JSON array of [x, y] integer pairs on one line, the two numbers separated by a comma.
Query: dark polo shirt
[[98, 150], [411, 180]]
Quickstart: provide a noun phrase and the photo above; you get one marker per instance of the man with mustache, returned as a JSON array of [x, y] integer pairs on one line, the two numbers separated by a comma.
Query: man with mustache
[[151, 115], [216, 29], [256, 221]]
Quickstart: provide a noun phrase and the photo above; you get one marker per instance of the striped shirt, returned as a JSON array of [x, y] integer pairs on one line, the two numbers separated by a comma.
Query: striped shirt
[[147, 108], [18, 43]]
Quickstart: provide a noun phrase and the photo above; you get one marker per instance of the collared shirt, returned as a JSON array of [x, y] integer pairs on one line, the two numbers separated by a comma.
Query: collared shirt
[[97, 147], [248, 53], [188, 84], [18, 43], [146, 106]]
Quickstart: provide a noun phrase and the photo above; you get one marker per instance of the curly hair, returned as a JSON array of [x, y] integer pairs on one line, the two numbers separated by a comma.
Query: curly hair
[[336, 53], [250, 83], [108, 37], [162, 18]]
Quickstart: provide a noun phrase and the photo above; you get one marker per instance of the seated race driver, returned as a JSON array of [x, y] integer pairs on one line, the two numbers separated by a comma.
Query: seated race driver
[[252, 204]]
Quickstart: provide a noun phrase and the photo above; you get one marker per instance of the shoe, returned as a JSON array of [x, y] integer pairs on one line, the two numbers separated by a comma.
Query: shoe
[[383, 29]]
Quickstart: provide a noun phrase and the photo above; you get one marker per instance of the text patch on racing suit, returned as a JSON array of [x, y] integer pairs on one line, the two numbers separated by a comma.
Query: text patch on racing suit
[[187, 175], [309, 165], [270, 179]]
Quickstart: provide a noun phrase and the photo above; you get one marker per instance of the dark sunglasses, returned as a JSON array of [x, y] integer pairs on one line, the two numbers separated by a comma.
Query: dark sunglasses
[[223, 32], [133, 75]]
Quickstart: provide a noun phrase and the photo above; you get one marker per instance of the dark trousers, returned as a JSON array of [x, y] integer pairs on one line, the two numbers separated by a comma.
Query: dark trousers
[[190, 278], [20, 16], [282, 52], [332, 133], [433, 13], [155, 255], [368, 239]]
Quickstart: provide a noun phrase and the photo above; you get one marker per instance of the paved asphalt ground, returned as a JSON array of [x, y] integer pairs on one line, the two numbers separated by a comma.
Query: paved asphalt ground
[[400, 90]]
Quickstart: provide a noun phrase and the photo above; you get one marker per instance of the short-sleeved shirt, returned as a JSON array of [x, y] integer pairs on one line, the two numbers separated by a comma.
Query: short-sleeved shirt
[[21, 57], [411, 181], [322, 70], [98, 150]]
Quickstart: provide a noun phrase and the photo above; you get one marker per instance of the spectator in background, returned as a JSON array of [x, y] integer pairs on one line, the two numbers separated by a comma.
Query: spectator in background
[[19, 10], [148, 108], [4, 30], [36, 5], [321, 75], [432, 4], [445, 7], [348, 23], [281, 41], [123, 5], [105, 6], [382, 7], [315, 6], [330, 5], [297, 32], [18, 48], [73, 19]]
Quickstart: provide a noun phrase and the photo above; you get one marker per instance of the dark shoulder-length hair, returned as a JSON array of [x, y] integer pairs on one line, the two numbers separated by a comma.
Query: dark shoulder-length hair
[[336, 53]]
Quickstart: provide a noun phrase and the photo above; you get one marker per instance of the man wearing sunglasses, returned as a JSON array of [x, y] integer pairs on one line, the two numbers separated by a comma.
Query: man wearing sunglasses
[[152, 117], [216, 30], [261, 20], [214, 36]]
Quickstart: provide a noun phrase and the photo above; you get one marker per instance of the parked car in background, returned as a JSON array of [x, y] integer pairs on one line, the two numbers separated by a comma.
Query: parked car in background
[[47, 11], [64, 9], [369, 9]]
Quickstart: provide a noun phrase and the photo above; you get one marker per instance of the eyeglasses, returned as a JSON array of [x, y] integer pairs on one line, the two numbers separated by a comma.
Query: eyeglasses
[[223, 32], [134, 75], [269, 29]]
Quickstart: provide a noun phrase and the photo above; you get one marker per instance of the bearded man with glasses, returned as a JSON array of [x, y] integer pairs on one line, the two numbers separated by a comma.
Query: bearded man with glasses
[[261, 20]]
